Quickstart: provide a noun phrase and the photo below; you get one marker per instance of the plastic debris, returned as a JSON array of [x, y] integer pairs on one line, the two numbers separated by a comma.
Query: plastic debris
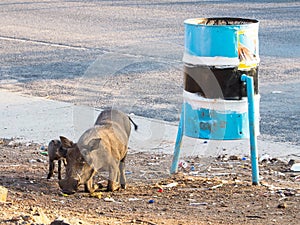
[[128, 172], [276, 92], [43, 147], [216, 186], [192, 168], [198, 203], [264, 157], [44, 153], [32, 161], [109, 199], [151, 201], [96, 195], [296, 167], [174, 184], [244, 158], [134, 199], [160, 190], [183, 164]]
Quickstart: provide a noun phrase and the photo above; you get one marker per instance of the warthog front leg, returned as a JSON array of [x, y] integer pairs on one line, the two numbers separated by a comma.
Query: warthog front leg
[[59, 169], [114, 174], [51, 169], [89, 186]]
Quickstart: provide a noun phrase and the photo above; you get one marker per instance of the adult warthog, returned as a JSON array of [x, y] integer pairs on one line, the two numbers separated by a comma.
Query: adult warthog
[[102, 147]]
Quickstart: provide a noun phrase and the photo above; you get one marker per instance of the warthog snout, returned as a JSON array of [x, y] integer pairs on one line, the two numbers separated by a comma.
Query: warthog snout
[[69, 185]]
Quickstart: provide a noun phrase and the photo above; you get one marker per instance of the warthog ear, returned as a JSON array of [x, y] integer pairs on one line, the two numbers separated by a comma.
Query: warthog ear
[[66, 142], [94, 144]]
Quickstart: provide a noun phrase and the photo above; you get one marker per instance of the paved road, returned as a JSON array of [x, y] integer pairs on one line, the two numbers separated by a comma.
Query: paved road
[[42, 39]]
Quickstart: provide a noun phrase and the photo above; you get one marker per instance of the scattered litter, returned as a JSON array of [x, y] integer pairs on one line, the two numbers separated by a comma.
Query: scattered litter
[[296, 167], [32, 161], [134, 199], [151, 201], [244, 158], [265, 157], [216, 186], [194, 173], [28, 144], [192, 168], [44, 153], [174, 184], [223, 174], [160, 190], [64, 195], [43, 148], [153, 164], [183, 164], [128, 172], [205, 142], [108, 199], [96, 195], [198, 203], [276, 92]]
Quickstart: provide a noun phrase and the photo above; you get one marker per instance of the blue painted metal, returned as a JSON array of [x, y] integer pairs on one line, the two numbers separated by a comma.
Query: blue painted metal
[[252, 130], [213, 124], [208, 41], [236, 40], [176, 154]]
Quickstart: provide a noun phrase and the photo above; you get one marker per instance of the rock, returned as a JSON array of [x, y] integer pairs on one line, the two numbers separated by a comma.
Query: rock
[[59, 222], [282, 205], [3, 194], [291, 162], [40, 217], [233, 157]]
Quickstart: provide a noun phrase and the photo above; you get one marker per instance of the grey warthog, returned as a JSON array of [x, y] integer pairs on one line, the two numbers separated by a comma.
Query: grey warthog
[[102, 147], [56, 152]]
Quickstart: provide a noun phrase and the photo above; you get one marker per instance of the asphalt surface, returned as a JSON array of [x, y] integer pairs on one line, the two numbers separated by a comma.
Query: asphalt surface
[[49, 40]]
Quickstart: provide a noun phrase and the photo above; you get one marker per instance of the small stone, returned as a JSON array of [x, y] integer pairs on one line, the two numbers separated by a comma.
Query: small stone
[[282, 205], [233, 157]]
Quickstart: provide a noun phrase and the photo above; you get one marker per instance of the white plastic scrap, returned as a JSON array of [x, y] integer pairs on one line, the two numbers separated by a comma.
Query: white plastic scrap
[[174, 184], [296, 167]]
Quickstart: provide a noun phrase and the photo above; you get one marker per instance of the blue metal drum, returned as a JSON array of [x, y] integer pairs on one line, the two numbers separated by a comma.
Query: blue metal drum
[[217, 52]]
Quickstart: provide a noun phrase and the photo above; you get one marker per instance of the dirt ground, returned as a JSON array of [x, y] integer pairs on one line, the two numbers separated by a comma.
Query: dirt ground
[[205, 191]]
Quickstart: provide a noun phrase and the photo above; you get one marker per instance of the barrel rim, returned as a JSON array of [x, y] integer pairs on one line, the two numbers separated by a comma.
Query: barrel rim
[[246, 21]]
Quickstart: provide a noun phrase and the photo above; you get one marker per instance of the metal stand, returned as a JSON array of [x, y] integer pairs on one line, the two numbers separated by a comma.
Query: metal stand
[[252, 133], [176, 154]]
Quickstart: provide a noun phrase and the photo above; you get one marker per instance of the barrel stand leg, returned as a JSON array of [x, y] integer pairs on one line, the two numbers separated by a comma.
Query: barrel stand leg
[[174, 167], [252, 131]]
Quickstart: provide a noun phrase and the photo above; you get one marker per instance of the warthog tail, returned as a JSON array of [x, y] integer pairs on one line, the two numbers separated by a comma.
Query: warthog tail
[[134, 124]]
